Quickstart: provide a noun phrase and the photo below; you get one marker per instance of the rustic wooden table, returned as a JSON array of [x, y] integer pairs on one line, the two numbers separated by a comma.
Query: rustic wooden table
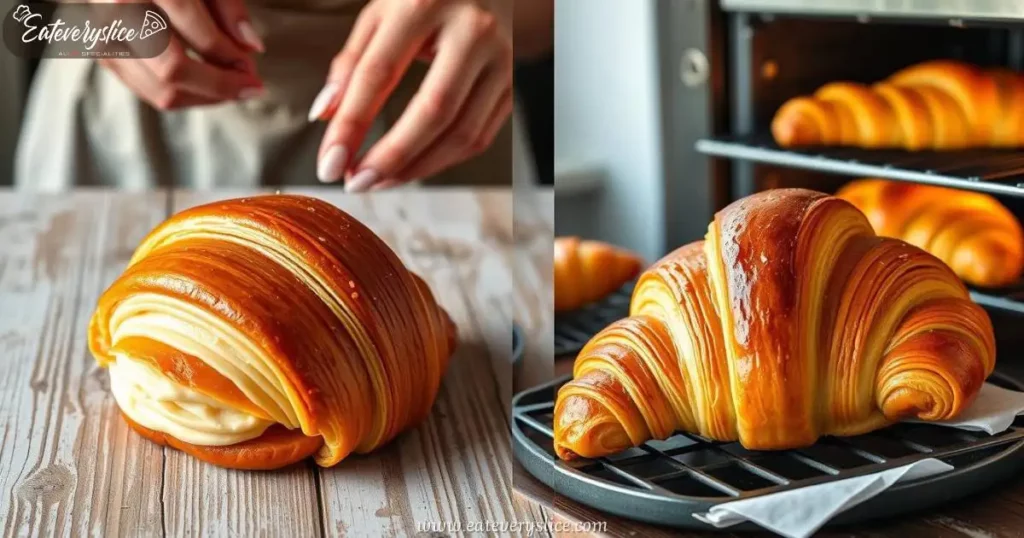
[[70, 466]]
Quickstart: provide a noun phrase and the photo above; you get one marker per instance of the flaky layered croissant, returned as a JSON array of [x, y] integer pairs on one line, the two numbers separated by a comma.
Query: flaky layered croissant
[[973, 233], [253, 333], [586, 271], [940, 105], [792, 320]]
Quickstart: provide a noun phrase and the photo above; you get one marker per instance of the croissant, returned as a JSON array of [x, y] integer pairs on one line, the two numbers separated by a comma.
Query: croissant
[[256, 332], [586, 271], [790, 321], [973, 233], [940, 105]]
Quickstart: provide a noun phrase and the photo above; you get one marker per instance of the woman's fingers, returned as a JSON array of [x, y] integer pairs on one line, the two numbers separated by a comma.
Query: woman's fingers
[[195, 25], [466, 139], [233, 18], [174, 80], [463, 53], [342, 66], [391, 50]]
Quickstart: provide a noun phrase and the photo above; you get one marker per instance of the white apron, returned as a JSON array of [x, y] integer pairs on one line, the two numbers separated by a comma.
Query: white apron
[[82, 126]]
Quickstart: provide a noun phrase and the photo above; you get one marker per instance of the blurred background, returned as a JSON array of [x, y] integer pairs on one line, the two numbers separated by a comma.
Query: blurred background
[[532, 122]]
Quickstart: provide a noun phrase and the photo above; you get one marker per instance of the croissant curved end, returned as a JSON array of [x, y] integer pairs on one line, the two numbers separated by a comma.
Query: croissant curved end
[[253, 333]]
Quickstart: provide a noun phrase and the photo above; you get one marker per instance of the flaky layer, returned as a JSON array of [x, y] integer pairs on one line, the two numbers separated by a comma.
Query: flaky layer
[[939, 105], [971, 232], [792, 320], [279, 308]]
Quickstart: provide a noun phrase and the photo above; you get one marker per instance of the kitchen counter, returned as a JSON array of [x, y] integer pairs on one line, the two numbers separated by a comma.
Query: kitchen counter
[[70, 466]]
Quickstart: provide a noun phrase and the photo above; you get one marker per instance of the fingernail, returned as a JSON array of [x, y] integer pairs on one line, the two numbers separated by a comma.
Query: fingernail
[[332, 166], [250, 93], [362, 181], [249, 35], [322, 101], [386, 184]]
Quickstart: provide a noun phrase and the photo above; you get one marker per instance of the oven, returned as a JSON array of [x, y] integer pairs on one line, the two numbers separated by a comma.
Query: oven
[[727, 66]]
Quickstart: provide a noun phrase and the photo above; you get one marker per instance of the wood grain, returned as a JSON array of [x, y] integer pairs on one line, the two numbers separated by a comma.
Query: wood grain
[[69, 465], [63, 445]]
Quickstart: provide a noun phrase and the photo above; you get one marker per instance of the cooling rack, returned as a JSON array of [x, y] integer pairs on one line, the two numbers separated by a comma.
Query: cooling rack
[[665, 482], [574, 329]]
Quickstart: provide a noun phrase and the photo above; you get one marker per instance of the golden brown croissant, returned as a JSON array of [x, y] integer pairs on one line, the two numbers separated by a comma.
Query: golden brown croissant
[[940, 104], [253, 333], [586, 271], [972, 232], [792, 320]]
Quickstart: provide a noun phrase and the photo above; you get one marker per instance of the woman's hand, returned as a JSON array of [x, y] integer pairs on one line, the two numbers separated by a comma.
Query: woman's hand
[[463, 101], [220, 34]]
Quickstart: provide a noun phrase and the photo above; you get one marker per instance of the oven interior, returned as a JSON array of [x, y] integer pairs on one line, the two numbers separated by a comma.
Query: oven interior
[[770, 57]]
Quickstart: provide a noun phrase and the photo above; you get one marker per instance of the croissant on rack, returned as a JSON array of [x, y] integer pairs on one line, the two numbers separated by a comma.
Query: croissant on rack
[[790, 321], [939, 105], [973, 233], [256, 332], [586, 271]]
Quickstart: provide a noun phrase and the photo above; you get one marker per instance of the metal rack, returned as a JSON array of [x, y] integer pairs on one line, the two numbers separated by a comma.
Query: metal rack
[[665, 482], [574, 329], [956, 11], [983, 170]]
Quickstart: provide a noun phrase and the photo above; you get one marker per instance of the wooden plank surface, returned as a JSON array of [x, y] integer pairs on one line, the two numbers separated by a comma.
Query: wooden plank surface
[[62, 442], [69, 465]]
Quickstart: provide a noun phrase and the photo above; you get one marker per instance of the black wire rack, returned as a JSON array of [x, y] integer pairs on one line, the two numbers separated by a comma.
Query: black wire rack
[[574, 329], [991, 171], [666, 482]]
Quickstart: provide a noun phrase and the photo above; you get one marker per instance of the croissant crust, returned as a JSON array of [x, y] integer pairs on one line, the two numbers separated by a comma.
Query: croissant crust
[[790, 321], [587, 271], [940, 105], [276, 314]]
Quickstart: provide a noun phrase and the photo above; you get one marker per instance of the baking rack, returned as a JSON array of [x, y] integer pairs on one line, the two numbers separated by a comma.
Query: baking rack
[[574, 329], [991, 171], [665, 482]]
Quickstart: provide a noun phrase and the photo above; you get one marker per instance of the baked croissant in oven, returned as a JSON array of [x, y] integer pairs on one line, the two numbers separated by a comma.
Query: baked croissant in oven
[[586, 271], [253, 333], [790, 321], [973, 233], [940, 105]]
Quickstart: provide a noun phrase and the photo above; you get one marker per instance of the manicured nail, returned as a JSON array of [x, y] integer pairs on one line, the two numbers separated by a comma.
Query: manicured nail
[[362, 181], [332, 166], [323, 100], [249, 35], [386, 184], [250, 93]]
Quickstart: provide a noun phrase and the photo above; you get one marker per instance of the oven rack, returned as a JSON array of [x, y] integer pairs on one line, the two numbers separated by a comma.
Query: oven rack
[[665, 482], [992, 171], [574, 329], [956, 12]]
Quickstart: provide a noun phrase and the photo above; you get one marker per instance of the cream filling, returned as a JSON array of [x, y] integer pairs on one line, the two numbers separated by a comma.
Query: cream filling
[[158, 403], [151, 399]]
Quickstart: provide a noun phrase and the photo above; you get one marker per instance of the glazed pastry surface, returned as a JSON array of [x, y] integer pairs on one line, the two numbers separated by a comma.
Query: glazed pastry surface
[[979, 238], [938, 105], [790, 321], [588, 271], [255, 332]]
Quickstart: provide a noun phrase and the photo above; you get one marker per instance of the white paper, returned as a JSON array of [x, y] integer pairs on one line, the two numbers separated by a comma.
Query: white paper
[[991, 412], [799, 512]]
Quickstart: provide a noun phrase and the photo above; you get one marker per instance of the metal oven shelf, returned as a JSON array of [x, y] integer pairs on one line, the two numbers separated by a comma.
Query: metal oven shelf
[[956, 11], [992, 171]]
